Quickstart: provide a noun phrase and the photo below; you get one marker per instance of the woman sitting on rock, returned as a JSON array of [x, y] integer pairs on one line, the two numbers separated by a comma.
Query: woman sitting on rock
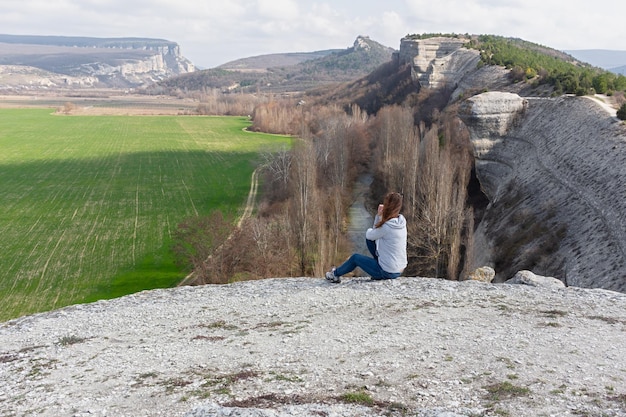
[[386, 242]]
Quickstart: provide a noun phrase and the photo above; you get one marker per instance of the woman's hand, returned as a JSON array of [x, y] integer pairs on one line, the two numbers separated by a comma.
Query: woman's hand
[[380, 209]]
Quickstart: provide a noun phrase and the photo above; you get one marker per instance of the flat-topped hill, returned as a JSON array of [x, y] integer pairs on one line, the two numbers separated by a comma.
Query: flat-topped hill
[[47, 62]]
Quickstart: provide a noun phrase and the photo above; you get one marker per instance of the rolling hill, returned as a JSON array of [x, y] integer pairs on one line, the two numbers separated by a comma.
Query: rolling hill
[[287, 72]]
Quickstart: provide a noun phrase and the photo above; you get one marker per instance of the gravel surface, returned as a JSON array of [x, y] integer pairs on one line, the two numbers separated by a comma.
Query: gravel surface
[[302, 346]]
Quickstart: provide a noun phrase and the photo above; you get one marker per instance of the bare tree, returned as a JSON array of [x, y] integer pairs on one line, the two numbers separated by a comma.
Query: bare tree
[[432, 170], [303, 212], [277, 165], [441, 206]]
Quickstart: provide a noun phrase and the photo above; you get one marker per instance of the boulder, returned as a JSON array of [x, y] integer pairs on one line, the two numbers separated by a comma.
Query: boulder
[[529, 278], [483, 274]]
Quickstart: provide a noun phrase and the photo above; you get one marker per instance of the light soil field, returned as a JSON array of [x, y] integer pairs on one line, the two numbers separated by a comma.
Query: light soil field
[[88, 204], [103, 102]]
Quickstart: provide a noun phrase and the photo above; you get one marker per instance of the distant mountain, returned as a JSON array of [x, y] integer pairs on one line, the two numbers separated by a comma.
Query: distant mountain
[[619, 70], [611, 60], [85, 42], [263, 62], [287, 72], [63, 61]]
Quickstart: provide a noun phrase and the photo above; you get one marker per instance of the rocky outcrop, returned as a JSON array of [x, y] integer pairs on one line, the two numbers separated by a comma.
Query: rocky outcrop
[[490, 116], [482, 274], [555, 174], [305, 347], [89, 62], [156, 63], [438, 61], [554, 171], [528, 278]]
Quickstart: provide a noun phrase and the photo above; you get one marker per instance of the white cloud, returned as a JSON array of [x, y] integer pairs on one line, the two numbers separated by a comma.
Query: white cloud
[[575, 24], [278, 9], [393, 28], [212, 32]]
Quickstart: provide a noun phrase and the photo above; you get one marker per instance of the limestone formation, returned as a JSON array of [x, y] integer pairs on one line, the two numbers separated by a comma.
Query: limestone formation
[[555, 175], [438, 61], [528, 278], [482, 274], [305, 347], [554, 171], [490, 115], [128, 63]]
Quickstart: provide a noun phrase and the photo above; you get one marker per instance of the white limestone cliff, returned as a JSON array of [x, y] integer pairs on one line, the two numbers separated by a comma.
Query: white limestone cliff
[[129, 64], [490, 116], [438, 61]]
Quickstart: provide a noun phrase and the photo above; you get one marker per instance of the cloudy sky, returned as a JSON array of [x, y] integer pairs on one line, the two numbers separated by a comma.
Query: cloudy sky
[[213, 32]]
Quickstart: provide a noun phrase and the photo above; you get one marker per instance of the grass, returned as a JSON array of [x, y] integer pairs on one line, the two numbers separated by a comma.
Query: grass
[[88, 203], [505, 390], [358, 397]]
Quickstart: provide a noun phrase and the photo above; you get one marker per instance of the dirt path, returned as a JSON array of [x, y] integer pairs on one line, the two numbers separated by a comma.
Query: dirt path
[[600, 100], [254, 184], [247, 212]]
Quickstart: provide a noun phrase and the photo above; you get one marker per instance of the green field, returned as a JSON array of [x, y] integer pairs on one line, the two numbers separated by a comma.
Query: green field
[[88, 203]]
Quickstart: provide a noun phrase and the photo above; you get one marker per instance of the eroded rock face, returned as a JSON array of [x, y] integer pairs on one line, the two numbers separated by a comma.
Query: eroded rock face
[[556, 180], [490, 115], [158, 64], [438, 61]]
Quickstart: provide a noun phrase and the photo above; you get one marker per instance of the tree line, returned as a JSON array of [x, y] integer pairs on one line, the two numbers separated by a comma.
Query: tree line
[[528, 61]]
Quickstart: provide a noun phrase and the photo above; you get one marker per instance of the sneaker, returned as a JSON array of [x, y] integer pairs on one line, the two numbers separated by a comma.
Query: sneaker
[[330, 276]]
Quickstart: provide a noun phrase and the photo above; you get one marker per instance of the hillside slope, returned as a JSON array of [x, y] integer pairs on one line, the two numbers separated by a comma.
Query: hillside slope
[[302, 346], [323, 69], [555, 179], [261, 63]]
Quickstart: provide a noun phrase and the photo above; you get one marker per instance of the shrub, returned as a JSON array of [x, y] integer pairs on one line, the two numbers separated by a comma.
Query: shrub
[[530, 73], [196, 238], [505, 390], [621, 113]]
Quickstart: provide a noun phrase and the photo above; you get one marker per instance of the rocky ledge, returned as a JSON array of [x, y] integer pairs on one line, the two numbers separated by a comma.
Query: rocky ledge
[[302, 346]]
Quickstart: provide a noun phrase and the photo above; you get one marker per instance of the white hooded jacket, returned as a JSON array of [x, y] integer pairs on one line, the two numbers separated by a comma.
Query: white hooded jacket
[[390, 243]]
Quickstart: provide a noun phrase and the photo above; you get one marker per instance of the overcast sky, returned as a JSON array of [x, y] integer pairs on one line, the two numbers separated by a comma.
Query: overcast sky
[[213, 32]]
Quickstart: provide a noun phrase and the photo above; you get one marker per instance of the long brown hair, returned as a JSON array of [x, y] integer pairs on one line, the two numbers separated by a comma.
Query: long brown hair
[[392, 204]]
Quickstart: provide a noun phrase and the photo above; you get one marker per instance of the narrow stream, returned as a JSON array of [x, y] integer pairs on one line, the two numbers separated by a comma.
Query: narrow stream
[[359, 218]]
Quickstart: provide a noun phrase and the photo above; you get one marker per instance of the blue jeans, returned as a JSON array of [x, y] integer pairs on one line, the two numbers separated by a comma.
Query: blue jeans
[[367, 264]]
